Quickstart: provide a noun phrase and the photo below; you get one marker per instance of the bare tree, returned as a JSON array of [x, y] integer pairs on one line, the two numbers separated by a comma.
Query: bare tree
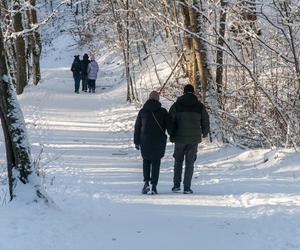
[[19, 164], [123, 30]]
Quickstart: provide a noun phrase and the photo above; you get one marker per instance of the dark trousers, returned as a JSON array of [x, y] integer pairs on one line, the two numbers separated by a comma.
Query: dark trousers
[[189, 152], [84, 82], [92, 85], [77, 82], [151, 170]]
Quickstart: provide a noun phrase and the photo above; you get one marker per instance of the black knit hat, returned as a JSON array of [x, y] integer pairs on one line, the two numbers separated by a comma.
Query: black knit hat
[[189, 88]]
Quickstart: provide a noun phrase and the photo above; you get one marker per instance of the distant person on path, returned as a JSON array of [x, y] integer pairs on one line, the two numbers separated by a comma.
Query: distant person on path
[[92, 71], [84, 66], [191, 123], [76, 69], [149, 136]]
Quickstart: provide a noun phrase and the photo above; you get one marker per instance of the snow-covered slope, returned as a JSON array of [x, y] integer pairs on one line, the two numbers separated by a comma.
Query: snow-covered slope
[[244, 199]]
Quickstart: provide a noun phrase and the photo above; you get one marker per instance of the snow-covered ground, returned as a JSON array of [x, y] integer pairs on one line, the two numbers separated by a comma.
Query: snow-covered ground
[[244, 199]]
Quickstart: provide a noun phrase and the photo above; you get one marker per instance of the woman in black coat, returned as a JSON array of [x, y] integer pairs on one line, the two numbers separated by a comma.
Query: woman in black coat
[[149, 136]]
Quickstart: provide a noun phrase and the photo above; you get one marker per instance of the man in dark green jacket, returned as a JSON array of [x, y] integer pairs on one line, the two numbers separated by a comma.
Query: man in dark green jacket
[[191, 124]]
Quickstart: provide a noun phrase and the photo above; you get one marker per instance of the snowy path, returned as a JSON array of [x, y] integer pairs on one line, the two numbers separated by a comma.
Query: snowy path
[[243, 199]]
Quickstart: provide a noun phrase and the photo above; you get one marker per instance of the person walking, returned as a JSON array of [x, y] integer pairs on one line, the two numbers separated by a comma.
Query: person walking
[[84, 66], [92, 72], [76, 69], [191, 124], [149, 136]]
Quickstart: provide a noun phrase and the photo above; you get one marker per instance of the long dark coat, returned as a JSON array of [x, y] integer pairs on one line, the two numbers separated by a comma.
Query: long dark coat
[[147, 133]]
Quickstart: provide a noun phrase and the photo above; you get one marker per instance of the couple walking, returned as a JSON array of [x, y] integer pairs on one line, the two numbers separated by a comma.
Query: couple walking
[[187, 122]]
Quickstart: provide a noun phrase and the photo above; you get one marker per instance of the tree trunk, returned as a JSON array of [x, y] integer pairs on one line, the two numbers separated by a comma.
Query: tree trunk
[[36, 46], [21, 75], [130, 86], [187, 42], [195, 47], [219, 59], [200, 50], [9, 45], [8, 142]]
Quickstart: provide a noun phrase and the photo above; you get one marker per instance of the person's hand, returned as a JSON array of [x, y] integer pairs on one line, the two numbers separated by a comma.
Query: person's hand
[[137, 146]]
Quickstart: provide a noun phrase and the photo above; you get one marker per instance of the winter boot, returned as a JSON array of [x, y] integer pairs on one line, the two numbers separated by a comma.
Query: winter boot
[[176, 189], [187, 191], [146, 188], [153, 190]]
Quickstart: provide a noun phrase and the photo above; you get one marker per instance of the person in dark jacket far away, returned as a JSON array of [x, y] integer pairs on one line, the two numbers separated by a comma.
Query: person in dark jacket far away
[[84, 65], [92, 71], [149, 136], [76, 69], [191, 124]]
